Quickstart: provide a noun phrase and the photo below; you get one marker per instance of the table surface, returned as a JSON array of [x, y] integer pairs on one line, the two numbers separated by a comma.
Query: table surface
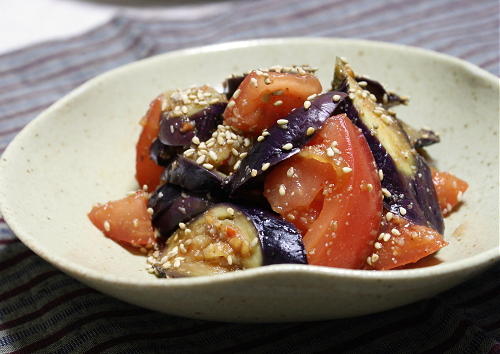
[[70, 41]]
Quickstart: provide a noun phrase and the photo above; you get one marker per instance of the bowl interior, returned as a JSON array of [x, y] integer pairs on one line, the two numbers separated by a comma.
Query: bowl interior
[[82, 149]]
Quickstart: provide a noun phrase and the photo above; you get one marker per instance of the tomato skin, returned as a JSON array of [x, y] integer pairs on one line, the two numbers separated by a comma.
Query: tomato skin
[[408, 244], [147, 171], [343, 208], [449, 189], [254, 107], [120, 216]]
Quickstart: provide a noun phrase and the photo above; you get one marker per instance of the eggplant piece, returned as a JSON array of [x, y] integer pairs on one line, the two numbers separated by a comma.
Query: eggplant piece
[[162, 154], [407, 182], [180, 130], [420, 138], [172, 205], [227, 238], [284, 142], [193, 177], [385, 98], [231, 84]]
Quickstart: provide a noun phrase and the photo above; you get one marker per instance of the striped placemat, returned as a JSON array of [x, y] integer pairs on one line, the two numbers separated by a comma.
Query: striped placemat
[[42, 309]]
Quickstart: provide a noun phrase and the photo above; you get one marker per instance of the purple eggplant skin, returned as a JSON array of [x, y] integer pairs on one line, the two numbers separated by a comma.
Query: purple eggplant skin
[[272, 149], [194, 178], [391, 99], [172, 205], [203, 124], [231, 84], [406, 174], [280, 240], [162, 154]]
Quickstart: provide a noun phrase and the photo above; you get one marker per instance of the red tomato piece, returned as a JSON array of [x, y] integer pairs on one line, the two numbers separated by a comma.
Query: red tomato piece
[[126, 221], [401, 242], [262, 100], [449, 190], [332, 193], [147, 171]]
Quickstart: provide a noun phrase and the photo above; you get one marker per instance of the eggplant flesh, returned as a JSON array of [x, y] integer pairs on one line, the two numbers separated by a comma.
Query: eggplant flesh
[[172, 205], [228, 238], [407, 182], [282, 142]]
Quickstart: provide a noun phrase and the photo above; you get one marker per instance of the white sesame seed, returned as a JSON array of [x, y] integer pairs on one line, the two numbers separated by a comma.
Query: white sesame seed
[[346, 169], [107, 225], [254, 82], [128, 193], [362, 83], [208, 166], [150, 211], [381, 174], [386, 192], [236, 93], [231, 104], [177, 263], [229, 260], [459, 196], [287, 146], [212, 155], [402, 211], [369, 260], [182, 248], [247, 142], [387, 236], [375, 257], [330, 152], [237, 165], [282, 190], [389, 216], [260, 138], [278, 103], [310, 131], [369, 187], [267, 81], [352, 96], [135, 222], [290, 172], [253, 172], [395, 232], [235, 152], [230, 211], [378, 245], [265, 133], [182, 226], [195, 140], [282, 121], [265, 166], [187, 231], [200, 159], [243, 155], [189, 152], [307, 104], [336, 98]]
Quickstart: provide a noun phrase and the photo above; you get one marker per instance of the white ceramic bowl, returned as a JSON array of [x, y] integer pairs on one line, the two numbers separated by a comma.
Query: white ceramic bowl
[[81, 151]]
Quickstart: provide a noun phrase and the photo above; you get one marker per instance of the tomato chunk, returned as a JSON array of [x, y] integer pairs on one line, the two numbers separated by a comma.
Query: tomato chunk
[[332, 193], [262, 99], [147, 171], [126, 221], [449, 190], [401, 242]]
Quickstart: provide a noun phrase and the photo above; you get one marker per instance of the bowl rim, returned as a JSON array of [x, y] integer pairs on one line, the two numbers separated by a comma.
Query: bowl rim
[[482, 259]]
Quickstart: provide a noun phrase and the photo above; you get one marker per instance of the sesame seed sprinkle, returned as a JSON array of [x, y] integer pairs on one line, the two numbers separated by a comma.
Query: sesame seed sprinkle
[[254, 82], [287, 146], [278, 103], [402, 211], [282, 121], [389, 216], [229, 260], [290, 172], [330, 152], [265, 166], [386, 192], [236, 93], [260, 138], [395, 232], [346, 169], [231, 104], [310, 131], [195, 140], [375, 257], [182, 226], [381, 174], [150, 211], [208, 166], [336, 98], [135, 222], [212, 155], [253, 172], [230, 211], [237, 165], [307, 104], [378, 245], [200, 159], [282, 190], [107, 226], [387, 237]]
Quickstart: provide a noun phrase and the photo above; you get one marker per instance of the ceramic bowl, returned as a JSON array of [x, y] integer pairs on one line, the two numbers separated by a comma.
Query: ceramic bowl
[[81, 151]]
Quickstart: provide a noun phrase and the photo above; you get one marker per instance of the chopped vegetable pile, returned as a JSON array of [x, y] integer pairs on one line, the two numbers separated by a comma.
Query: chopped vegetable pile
[[277, 170]]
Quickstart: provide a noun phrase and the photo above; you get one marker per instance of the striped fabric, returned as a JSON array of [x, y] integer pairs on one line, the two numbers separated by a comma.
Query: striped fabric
[[42, 309]]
